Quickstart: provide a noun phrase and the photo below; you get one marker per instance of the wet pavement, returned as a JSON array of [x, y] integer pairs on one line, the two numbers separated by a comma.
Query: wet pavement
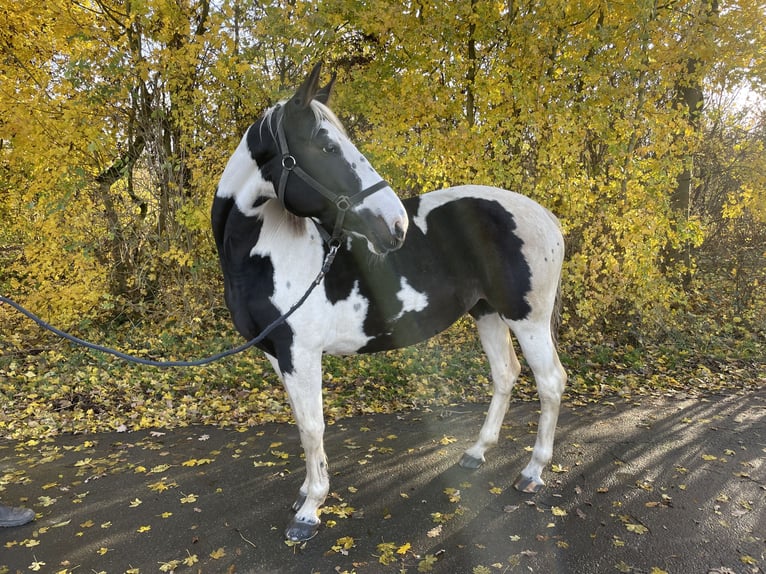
[[669, 484]]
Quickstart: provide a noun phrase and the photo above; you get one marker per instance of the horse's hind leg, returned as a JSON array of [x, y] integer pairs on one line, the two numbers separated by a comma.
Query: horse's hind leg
[[539, 351], [496, 341]]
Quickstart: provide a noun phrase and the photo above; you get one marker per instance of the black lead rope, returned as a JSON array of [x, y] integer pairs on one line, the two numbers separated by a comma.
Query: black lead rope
[[199, 362]]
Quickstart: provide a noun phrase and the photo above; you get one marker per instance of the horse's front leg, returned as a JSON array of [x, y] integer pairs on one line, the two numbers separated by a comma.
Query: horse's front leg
[[304, 388]]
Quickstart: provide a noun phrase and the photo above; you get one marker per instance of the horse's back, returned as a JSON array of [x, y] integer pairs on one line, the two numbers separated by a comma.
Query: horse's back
[[525, 210], [501, 245], [493, 219]]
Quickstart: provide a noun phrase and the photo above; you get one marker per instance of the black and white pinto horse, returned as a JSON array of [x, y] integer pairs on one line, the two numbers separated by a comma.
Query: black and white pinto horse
[[296, 186]]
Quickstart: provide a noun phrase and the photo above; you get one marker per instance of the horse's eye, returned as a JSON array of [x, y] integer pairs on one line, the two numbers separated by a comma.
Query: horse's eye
[[330, 148]]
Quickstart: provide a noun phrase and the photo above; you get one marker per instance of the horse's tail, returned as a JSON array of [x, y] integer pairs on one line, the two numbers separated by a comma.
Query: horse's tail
[[558, 302], [556, 315]]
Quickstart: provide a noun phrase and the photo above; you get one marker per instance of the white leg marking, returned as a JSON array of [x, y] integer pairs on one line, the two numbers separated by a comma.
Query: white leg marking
[[304, 387], [540, 352], [496, 341]]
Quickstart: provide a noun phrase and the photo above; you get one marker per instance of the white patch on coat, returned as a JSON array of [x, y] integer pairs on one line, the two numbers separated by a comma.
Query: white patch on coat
[[347, 335], [338, 328], [383, 203], [411, 299], [242, 180]]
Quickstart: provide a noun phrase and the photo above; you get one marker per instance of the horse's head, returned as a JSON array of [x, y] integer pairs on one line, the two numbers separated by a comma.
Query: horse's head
[[322, 175]]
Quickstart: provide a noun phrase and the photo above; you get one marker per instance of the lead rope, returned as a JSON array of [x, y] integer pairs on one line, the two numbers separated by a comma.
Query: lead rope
[[329, 258]]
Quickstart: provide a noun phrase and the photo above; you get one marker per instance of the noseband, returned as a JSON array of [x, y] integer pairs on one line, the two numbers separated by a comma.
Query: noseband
[[343, 203]]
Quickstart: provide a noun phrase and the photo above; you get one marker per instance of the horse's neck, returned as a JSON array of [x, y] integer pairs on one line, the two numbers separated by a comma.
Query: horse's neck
[[280, 227]]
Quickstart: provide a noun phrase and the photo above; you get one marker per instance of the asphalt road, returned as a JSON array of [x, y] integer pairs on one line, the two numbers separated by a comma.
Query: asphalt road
[[671, 484]]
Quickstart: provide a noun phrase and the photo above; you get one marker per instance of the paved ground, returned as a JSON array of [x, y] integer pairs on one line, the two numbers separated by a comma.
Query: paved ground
[[675, 485]]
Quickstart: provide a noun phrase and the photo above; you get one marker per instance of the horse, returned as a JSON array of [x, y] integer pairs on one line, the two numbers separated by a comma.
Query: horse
[[296, 188]]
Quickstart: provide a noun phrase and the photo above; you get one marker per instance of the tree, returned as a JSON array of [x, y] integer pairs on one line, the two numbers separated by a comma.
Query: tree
[[116, 119]]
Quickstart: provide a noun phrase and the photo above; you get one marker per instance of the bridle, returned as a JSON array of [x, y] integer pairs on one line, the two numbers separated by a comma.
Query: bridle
[[343, 203]]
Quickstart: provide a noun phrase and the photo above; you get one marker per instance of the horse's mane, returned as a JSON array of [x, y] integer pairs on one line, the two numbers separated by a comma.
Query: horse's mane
[[321, 112]]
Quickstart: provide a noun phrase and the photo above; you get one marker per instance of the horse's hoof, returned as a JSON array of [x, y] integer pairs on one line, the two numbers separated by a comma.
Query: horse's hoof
[[470, 462], [527, 485], [298, 502], [300, 531]]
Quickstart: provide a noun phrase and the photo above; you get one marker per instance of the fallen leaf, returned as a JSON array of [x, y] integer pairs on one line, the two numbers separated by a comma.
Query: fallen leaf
[[343, 545], [169, 566], [218, 554], [427, 564], [528, 553], [60, 524], [453, 494], [190, 560]]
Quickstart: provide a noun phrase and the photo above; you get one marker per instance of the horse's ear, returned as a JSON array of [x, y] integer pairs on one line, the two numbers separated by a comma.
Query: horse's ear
[[323, 94], [308, 90]]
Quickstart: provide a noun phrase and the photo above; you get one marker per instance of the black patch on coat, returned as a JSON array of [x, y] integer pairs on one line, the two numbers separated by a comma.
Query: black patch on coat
[[470, 256], [248, 280]]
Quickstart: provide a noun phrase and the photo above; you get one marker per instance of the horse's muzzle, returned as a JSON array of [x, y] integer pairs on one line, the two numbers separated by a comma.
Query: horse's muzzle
[[384, 236]]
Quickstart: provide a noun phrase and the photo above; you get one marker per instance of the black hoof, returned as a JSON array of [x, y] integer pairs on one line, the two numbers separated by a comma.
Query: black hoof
[[298, 502], [299, 531], [527, 485], [470, 462]]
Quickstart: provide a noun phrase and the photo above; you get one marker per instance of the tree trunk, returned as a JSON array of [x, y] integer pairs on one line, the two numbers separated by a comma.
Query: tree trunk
[[690, 99]]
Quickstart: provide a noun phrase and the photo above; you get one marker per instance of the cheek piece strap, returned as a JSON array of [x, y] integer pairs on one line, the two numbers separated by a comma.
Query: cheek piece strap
[[343, 203]]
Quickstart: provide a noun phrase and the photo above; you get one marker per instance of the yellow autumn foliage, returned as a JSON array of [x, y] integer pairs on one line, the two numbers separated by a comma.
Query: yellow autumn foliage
[[116, 120]]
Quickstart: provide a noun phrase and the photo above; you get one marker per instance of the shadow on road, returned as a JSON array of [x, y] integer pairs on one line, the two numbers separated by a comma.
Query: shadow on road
[[675, 485]]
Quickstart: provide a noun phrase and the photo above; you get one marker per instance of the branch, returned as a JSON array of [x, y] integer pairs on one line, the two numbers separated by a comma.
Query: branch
[[123, 164]]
